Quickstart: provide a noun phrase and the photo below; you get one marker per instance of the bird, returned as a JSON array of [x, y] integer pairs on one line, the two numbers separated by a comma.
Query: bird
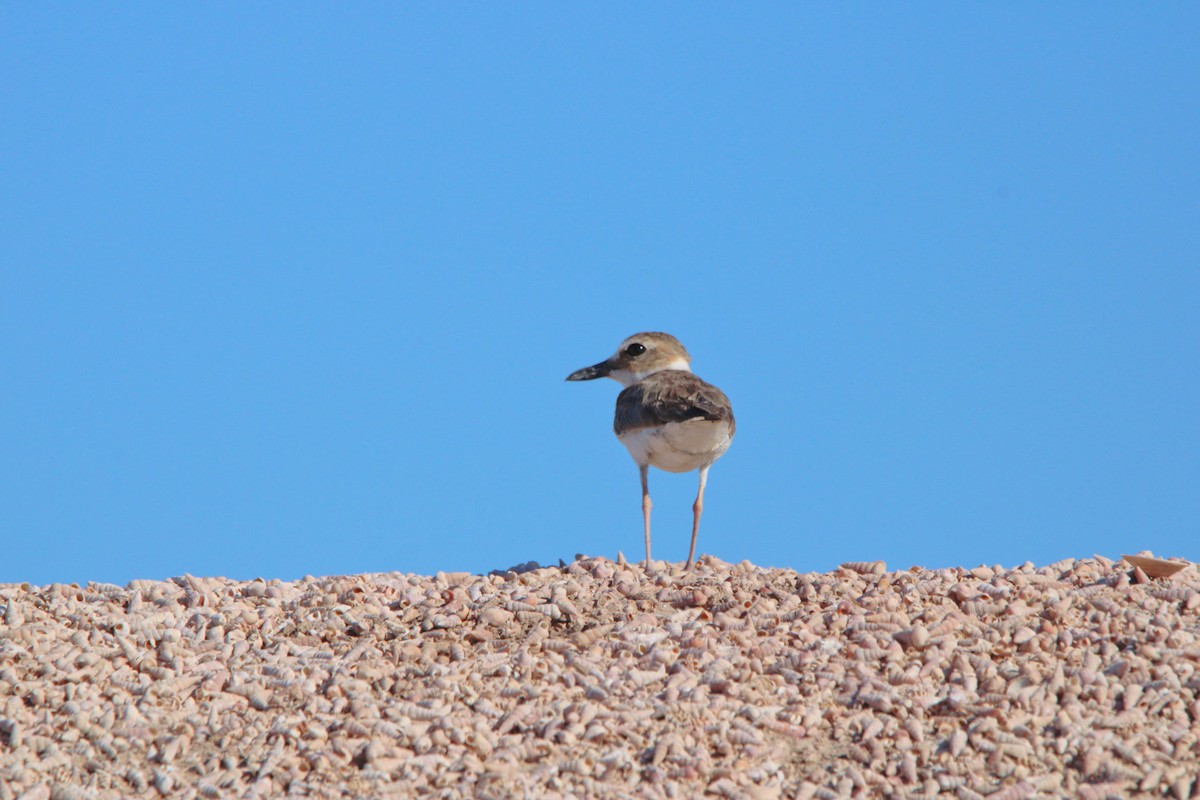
[[666, 416]]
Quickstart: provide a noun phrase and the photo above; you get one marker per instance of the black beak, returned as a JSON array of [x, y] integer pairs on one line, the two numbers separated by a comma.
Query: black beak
[[591, 373]]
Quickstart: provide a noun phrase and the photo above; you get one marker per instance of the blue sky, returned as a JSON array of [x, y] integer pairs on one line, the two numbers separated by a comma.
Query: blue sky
[[292, 290]]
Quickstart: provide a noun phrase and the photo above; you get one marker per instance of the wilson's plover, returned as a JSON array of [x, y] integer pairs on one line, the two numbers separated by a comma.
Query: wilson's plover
[[666, 417]]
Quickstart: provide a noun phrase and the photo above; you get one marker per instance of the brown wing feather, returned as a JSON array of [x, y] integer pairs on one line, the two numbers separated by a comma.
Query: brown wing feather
[[669, 396]]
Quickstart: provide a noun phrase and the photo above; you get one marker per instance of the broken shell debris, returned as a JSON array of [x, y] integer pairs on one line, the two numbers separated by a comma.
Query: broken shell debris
[[594, 679], [1156, 567]]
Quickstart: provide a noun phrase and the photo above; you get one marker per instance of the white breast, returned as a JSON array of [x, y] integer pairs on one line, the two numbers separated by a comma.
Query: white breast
[[679, 446]]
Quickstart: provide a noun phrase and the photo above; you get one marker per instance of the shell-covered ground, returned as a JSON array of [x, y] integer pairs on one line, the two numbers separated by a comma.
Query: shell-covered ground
[[1077, 679]]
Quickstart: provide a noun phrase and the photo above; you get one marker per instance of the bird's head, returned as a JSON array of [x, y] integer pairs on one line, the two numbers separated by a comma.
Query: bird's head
[[638, 356]]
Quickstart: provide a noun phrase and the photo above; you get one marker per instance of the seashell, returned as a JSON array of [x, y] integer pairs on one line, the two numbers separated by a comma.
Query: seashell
[[877, 701], [1017, 791], [685, 598], [866, 567], [1101, 791], [67, 791], [517, 605], [977, 608], [994, 592], [1175, 594], [496, 617], [1181, 788], [744, 736], [951, 782], [784, 728], [532, 618], [871, 653], [413, 711], [872, 627], [259, 700], [729, 623], [629, 588], [589, 636], [1152, 780], [908, 769], [725, 603], [916, 637], [568, 608], [1156, 567], [440, 622], [1023, 635], [136, 779], [163, 781], [551, 610]]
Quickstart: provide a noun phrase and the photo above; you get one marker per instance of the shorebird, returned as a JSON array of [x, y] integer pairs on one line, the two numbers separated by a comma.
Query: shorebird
[[666, 416]]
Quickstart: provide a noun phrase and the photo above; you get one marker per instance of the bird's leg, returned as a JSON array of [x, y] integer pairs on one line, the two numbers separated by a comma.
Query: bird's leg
[[697, 510], [645, 471]]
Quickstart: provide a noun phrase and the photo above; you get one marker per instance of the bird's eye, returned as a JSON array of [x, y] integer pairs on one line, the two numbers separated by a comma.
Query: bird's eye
[[635, 349]]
